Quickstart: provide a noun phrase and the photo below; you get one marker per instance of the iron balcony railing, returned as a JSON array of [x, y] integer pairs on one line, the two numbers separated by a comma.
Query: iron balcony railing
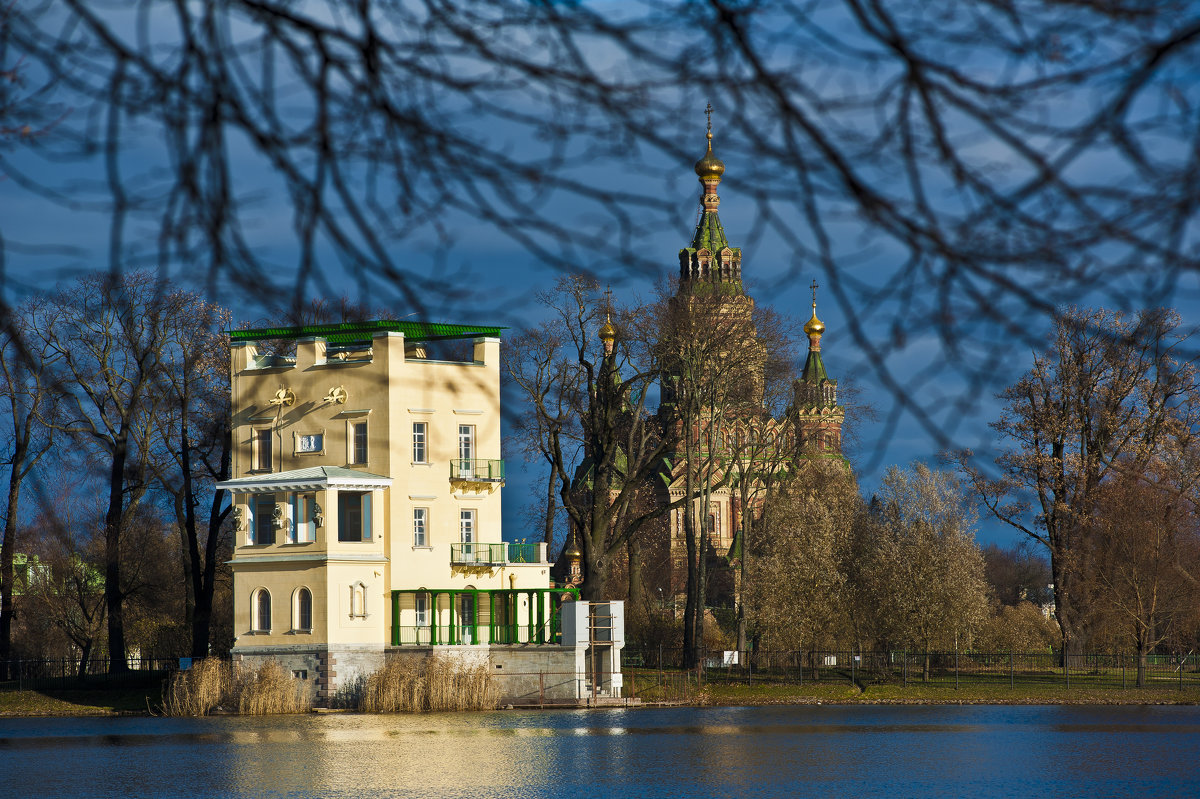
[[494, 554], [480, 470]]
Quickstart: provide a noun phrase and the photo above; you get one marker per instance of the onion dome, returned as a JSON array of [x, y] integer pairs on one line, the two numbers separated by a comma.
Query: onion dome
[[572, 550], [814, 326], [607, 331], [710, 167]]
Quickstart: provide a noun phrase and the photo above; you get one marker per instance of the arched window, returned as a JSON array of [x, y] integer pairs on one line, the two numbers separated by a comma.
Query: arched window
[[302, 618], [261, 608]]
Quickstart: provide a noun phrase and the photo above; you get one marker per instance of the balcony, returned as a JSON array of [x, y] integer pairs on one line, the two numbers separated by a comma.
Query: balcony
[[489, 472], [502, 554]]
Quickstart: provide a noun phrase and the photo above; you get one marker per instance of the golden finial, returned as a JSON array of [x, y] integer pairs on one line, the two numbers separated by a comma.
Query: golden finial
[[709, 167], [814, 327], [608, 333]]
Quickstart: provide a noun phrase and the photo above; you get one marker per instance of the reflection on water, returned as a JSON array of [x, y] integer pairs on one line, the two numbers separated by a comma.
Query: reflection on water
[[735, 752]]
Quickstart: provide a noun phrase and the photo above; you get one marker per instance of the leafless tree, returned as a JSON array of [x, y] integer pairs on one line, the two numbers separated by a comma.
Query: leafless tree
[[108, 338], [192, 447], [1144, 553], [927, 584], [1112, 394], [26, 393], [1002, 158], [588, 416]]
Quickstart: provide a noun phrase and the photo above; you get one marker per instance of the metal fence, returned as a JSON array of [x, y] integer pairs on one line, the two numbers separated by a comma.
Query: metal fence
[[42, 674], [908, 668]]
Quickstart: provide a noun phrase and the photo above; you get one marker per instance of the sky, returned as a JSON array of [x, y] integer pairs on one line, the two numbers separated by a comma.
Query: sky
[[882, 308]]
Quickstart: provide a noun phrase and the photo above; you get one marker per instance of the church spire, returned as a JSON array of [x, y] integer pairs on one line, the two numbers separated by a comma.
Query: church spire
[[710, 258], [814, 366], [818, 416]]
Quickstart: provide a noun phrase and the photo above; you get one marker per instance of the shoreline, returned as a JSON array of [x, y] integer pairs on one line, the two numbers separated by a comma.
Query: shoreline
[[82, 703]]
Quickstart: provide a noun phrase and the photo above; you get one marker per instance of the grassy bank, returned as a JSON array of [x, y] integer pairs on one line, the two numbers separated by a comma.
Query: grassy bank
[[678, 688], [130, 695]]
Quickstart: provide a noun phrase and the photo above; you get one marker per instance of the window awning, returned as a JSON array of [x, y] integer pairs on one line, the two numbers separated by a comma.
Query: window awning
[[316, 478]]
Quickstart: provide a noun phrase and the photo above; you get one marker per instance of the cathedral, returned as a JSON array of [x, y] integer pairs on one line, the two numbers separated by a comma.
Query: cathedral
[[731, 443]]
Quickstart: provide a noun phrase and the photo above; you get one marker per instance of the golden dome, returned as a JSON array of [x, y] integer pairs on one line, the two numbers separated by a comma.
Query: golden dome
[[710, 167], [572, 552], [607, 331], [814, 326]]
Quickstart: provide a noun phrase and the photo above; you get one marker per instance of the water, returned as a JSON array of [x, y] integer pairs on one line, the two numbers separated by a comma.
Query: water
[[718, 752]]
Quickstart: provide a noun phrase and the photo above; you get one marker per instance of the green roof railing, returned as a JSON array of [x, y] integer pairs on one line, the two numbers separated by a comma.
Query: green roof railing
[[351, 332]]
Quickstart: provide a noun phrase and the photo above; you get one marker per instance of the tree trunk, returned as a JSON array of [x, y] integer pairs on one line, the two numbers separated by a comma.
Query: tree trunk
[[691, 646], [112, 560], [7, 553], [551, 502]]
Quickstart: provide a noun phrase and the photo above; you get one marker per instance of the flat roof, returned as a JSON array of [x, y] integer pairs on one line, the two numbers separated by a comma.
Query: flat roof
[[350, 332]]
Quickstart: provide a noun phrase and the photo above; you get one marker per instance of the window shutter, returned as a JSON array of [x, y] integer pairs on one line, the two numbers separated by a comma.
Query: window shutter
[[366, 516], [250, 528]]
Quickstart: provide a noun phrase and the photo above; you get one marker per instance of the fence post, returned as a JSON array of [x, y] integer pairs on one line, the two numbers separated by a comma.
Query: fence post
[[1122, 672], [1067, 666], [1181, 674], [956, 661], [905, 668], [1012, 677]]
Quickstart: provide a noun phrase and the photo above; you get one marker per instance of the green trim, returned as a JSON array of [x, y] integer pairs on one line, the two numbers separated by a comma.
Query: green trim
[[351, 332]]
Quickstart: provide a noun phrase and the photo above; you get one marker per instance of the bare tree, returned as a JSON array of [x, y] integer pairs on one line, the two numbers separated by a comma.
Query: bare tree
[[587, 396], [1111, 394], [193, 446], [1144, 547], [997, 160], [927, 582], [799, 591], [108, 337], [27, 394]]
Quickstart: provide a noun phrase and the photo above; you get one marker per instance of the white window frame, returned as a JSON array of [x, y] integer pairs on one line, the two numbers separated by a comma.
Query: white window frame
[[421, 527], [421, 610], [256, 619], [258, 516], [351, 438], [466, 450], [466, 527], [257, 436], [420, 442], [297, 616], [300, 437], [365, 510]]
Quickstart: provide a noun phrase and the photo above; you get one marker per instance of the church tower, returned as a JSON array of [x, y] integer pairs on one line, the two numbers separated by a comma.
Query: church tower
[[710, 258], [818, 417]]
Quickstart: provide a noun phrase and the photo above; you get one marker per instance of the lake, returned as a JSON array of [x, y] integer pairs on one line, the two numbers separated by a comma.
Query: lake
[[828, 750]]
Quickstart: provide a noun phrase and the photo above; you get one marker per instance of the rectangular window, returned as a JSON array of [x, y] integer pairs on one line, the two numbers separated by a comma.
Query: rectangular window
[[466, 450], [310, 443], [359, 443], [264, 519], [262, 450], [354, 516], [420, 453], [466, 529], [420, 526], [421, 602], [303, 529]]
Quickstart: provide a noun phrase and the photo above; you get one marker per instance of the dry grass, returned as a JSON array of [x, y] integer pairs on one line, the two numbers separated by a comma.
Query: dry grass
[[219, 685], [437, 683]]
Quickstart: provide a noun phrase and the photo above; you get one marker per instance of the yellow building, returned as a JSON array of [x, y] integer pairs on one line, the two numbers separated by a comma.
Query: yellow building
[[366, 494]]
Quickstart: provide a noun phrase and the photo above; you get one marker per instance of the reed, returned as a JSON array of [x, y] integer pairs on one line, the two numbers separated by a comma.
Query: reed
[[216, 685], [437, 683]]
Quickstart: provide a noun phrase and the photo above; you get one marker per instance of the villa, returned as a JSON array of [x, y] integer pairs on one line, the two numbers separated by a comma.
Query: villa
[[366, 489]]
